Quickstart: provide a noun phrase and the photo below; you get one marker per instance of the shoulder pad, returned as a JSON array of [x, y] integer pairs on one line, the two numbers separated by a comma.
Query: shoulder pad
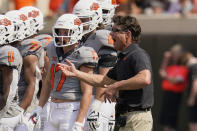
[[45, 39], [87, 56], [30, 47], [10, 56], [104, 38]]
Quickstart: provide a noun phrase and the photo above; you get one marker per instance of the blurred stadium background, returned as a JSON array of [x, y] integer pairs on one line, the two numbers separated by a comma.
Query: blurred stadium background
[[161, 28]]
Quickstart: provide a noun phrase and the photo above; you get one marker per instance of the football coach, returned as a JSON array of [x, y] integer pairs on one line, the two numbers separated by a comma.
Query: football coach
[[131, 77]]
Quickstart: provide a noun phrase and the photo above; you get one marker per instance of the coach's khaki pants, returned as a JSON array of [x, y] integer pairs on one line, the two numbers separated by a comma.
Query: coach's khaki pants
[[138, 121]]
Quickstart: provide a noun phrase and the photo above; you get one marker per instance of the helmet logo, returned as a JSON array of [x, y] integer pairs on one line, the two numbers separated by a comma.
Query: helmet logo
[[5, 22], [33, 14], [77, 22], [23, 17], [94, 6]]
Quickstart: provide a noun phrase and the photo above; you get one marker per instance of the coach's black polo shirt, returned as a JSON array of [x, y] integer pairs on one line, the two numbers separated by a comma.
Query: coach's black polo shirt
[[131, 61]]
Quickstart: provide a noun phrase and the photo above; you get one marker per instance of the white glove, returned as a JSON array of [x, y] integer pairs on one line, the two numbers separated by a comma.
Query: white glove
[[111, 125], [35, 114], [78, 126], [93, 120], [94, 116]]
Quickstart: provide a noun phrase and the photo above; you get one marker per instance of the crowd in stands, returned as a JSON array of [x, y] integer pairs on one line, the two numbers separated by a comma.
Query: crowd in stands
[[148, 7]]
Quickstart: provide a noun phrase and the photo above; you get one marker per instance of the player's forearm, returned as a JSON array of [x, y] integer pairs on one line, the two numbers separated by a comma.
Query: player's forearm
[[98, 94], [3, 99], [2, 103], [45, 93], [84, 106], [28, 96], [92, 79], [99, 91]]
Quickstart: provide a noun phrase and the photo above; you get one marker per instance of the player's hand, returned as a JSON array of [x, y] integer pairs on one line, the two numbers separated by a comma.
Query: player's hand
[[93, 121], [78, 127], [35, 114], [68, 69]]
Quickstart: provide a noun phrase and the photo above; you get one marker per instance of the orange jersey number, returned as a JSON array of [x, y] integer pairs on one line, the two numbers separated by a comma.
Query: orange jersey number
[[35, 45], [63, 77]]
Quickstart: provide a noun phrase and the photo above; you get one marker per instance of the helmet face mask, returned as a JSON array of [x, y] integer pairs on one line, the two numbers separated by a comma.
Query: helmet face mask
[[91, 10], [67, 30], [108, 10], [63, 39], [20, 24], [107, 16], [86, 22], [6, 30]]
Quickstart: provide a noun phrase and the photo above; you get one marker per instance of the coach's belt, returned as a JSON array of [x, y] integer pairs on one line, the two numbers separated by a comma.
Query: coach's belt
[[139, 109]]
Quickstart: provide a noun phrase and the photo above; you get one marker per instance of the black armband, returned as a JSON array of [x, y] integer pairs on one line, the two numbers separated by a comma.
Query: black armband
[[107, 60], [89, 64]]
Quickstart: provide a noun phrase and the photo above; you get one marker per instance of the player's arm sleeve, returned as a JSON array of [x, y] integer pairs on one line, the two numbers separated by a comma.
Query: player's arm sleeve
[[86, 95]]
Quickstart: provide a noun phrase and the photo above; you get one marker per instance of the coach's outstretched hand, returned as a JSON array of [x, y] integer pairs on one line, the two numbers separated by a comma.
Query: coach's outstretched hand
[[68, 69]]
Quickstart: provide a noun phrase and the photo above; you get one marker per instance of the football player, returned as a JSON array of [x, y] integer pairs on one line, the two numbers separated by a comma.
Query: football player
[[45, 39], [101, 117], [70, 98], [11, 113], [31, 51]]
